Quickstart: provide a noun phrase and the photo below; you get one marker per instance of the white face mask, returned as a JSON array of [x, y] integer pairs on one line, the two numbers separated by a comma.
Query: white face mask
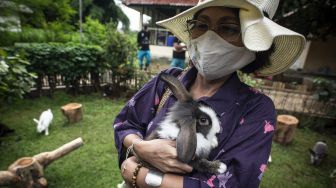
[[214, 57]]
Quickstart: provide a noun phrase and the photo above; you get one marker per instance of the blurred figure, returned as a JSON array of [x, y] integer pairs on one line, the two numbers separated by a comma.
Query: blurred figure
[[179, 50], [143, 46], [318, 153]]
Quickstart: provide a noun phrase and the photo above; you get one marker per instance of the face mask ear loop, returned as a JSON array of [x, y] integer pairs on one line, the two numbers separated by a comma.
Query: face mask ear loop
[[190, 63], [189, 46]]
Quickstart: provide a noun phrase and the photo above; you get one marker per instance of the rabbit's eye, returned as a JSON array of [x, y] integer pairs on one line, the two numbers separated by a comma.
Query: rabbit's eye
[[203, 121]]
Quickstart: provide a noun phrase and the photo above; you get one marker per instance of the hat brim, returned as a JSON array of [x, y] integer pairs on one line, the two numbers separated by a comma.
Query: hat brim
[[258, 33], [178, 24], [288, 45]]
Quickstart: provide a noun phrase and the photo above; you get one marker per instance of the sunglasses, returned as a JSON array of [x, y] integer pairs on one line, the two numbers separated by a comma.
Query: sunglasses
[[228, 31]]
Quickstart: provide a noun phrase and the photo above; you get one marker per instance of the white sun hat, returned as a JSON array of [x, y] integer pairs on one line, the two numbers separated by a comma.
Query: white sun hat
[[258, 31]]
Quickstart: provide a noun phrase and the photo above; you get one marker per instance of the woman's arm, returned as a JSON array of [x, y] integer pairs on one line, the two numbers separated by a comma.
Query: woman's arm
[[168, 181], [134, 117], [160, 153]]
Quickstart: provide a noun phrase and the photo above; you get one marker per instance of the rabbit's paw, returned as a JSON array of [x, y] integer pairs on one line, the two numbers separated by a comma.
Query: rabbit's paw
[[222, 168]]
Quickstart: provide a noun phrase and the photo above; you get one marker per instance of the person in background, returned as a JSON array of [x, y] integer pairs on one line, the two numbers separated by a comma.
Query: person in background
[[179, 51], [143, 45]]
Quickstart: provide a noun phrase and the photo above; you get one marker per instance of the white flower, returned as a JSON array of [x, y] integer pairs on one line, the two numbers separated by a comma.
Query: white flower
[[3, 67]]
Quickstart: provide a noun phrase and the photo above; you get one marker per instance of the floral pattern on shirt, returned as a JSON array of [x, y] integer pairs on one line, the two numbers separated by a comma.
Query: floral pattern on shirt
[[210, 181], [242, 120], [262, 170], [268, 127], [131, 102], [157, 99], [222, 180]]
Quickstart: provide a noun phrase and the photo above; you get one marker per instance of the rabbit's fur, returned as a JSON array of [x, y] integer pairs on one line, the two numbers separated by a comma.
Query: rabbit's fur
[[194, 127], [45, 120]]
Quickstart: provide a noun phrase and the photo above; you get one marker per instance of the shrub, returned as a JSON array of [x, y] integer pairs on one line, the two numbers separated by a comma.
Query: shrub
[[94, 32], [249, 80], [33, 35], [15, 80], [72, 61], [325, 89], [120, 53]]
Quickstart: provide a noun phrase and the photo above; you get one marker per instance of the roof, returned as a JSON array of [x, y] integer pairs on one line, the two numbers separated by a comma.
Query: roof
[[161, 2]]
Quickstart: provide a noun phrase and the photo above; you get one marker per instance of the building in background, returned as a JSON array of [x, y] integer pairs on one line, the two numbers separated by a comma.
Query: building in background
[[159, 10]]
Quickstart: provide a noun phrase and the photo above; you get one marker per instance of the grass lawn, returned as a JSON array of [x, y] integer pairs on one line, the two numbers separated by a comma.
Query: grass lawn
[[95, 164]]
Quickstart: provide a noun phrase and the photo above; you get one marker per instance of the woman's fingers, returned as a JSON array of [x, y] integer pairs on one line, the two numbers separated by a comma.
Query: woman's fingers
[[175, 166], [171, 143], [162, 154], [184, 167]]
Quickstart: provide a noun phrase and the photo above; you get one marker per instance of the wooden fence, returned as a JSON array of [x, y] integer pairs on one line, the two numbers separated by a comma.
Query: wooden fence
[[299, 100], [288, 98], [136, 81]]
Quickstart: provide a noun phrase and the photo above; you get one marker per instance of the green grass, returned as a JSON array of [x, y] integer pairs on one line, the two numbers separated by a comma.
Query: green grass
[[95, 163], [291, 168], [92, 165]]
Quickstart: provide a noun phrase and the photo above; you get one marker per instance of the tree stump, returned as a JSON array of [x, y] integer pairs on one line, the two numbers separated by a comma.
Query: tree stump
[[73, 112], [28, 172], [285, 129]]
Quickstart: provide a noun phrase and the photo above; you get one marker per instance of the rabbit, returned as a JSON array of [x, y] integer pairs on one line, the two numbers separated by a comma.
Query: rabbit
[[318, 153], [194, 127], [45, 120]]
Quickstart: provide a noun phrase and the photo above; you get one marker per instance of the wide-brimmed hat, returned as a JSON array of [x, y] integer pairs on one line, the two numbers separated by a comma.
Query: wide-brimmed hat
[[258, 31]]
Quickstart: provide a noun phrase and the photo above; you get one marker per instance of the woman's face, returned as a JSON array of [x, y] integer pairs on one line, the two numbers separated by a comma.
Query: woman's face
[[224, 21]]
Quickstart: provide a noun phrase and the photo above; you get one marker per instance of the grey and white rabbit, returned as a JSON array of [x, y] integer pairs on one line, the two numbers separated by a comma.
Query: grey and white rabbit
[[318, 153], [194, 127]]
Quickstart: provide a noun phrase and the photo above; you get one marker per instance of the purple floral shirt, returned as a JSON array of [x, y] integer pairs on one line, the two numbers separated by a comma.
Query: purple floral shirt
[[247, 126]]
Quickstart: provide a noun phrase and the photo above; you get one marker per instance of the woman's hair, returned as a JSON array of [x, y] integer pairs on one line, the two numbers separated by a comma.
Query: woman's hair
[[262, 57]]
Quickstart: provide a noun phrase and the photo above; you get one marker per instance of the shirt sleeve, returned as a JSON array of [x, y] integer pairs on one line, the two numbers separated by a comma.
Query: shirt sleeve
[[246, 153], [138, 112]]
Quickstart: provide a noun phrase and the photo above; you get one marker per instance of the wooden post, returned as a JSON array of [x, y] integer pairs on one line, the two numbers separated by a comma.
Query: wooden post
[[73, 112], [28, 172], [286, 125]]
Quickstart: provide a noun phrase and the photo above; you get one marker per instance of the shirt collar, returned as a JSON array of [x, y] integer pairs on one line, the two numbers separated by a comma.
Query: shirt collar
[[224, 98]]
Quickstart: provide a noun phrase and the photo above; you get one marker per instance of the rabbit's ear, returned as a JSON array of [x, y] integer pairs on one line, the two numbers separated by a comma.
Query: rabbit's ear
[[36, 121], [176, 87], [186, 141]]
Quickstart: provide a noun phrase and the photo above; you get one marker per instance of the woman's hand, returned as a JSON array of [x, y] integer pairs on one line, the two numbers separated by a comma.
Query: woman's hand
[[162, 154], [127, 168]]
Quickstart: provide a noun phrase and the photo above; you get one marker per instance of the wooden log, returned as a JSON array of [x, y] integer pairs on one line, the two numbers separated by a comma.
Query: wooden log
[[46, 158], [28, 172], [285, 129], [73, 112], [8, 178]]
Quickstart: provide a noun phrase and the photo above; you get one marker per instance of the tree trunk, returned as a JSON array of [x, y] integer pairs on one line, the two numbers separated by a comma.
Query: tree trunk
[[39, 85], [52, 83], [73, 112], [95, 80], [285, 129], [28, 172]]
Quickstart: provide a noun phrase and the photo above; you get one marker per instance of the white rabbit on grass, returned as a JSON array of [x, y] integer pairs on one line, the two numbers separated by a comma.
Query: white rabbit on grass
[[45, 120]]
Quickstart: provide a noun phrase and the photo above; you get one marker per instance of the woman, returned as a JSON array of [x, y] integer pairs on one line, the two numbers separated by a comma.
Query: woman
[[222, 37]]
